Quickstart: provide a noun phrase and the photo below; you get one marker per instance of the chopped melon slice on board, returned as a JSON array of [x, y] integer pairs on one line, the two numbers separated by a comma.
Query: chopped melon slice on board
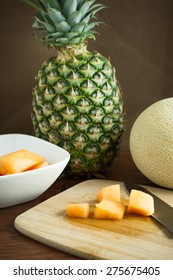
[[110, 193], [140, 203], [77, 210], [108, 209], [18, 161]]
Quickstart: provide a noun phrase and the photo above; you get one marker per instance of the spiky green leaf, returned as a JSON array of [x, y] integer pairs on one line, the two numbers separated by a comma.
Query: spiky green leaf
[[63, 27], [86, 19], [49, 4], [77, 40], [30, 3], [38, 25], [70, 6], [91, 26], [86, 5], [63, 41], [78, 27], [42, 4], [95, 8], [54, 35], [44, 16], [74, 18], [71, 35], [56, 16], [53, 4], [48, 26], [79, 3], [61, 2]]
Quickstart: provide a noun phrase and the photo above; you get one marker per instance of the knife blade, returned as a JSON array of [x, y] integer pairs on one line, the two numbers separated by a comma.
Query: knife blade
[[163, 212]]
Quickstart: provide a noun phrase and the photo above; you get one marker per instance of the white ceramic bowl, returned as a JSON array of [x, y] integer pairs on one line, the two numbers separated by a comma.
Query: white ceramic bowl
[[26, 186]]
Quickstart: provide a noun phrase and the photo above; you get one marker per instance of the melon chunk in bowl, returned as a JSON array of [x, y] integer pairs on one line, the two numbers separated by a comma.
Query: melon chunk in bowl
[[25, 186]]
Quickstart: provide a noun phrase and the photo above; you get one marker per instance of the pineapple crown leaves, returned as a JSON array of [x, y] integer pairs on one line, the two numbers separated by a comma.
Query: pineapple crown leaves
[[65, 22]]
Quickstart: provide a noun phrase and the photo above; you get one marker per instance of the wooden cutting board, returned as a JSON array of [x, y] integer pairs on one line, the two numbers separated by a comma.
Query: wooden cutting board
[[134, 237]]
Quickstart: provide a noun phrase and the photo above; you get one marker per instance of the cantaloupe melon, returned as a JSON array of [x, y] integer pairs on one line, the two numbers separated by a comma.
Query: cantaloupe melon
[[110, 192], [140, 203], [18, 161], [151, 142], [110, 210], [77, 210]]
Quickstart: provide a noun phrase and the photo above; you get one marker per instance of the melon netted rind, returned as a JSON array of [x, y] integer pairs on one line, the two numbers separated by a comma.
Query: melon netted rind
[[151, 143]]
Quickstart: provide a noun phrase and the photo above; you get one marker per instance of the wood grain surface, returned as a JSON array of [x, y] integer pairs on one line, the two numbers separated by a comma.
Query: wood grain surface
[[133, 237]]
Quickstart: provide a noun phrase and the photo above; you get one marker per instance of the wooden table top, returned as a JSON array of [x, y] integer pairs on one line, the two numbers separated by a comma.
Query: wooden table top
[[15, 246]]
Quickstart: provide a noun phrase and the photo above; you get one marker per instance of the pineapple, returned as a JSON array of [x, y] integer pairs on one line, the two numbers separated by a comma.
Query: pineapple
[[77, 100]]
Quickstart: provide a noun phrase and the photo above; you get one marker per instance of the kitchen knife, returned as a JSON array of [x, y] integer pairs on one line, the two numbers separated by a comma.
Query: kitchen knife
[[163, 212]]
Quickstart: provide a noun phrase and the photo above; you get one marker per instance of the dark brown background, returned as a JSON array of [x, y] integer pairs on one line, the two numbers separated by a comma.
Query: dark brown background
[[138, 37]]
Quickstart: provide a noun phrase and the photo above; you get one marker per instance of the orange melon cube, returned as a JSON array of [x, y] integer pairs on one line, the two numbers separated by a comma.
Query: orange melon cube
[[140, 203], [110, 193], [110, 210], [78, 210], [18, 161], [39, 165]]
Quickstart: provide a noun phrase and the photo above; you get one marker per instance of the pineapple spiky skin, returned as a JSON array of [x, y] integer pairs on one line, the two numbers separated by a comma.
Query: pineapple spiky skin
[[77, 100], [77, 105]]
